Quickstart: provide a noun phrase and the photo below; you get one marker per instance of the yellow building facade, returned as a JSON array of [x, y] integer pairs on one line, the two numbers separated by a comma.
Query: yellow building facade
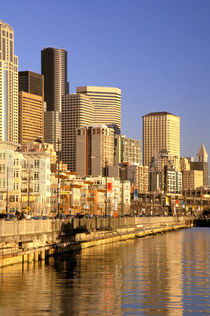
[[192, 179], [31, 117], [161, 130]]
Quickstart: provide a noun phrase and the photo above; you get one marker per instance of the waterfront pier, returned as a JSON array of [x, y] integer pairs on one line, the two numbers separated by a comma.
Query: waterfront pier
[[32, 240]]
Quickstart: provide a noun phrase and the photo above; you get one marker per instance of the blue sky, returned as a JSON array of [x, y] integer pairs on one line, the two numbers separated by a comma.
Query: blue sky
[[156, 51]]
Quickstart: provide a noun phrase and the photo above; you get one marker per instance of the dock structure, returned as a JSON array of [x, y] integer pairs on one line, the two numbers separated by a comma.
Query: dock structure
[[193, 201], [32, 240]]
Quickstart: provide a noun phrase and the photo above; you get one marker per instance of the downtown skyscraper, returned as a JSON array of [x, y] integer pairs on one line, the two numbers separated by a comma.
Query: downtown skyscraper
[[107, 105], [161, 131], [8, 85], [77, 111], [54, 69], [31, 106]]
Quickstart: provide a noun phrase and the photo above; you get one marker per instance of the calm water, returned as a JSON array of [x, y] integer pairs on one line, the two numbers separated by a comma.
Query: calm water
[[167, 274]]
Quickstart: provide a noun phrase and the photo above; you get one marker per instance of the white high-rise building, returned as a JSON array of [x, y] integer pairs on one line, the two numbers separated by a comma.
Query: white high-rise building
[[77, 111], [8, 85], [107, 105]]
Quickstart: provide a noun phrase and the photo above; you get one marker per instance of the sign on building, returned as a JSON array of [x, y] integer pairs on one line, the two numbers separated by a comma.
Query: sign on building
[[135, 195], [109, 189]]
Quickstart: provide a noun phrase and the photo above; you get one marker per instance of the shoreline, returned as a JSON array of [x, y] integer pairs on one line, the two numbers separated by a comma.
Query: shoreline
[[58, 242]]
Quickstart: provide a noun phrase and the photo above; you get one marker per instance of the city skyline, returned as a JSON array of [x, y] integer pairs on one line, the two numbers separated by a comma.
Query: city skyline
[[156, 53]]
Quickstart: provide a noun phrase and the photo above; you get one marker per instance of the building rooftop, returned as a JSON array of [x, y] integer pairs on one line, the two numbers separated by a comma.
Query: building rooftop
[[95, 126], [202, 151], [98, 89], [159, 113], [6, 25], [54, 48], [24, 72]]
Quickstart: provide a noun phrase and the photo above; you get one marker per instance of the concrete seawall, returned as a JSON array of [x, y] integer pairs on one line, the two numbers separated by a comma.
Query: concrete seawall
[[28, 241]]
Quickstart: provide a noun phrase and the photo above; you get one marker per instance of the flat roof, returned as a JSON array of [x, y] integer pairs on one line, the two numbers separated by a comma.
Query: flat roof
[[98, 89], [159, 113]]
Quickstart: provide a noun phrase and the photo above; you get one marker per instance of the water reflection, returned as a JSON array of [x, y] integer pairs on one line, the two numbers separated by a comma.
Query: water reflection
[[161, 275]]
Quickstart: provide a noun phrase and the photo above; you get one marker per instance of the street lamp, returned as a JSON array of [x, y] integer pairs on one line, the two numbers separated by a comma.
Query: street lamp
[[7, 192], [9, 169], [59, 184], [122, 176], [106, 174]]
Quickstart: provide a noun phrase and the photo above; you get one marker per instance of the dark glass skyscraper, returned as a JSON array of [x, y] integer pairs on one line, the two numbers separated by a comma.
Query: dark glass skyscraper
[[31, 82], [54, 69]]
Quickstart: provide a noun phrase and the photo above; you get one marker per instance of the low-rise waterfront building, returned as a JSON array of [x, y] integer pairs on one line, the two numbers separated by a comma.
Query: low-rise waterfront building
[[116, 195], [9, 189], [32, 181]]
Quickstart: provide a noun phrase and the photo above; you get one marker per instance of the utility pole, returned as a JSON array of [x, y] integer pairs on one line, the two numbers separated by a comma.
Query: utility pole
[[29, 171], [123, 196], [106, 188], [58, 189], [123, 175], [7, 192], [133, 193]]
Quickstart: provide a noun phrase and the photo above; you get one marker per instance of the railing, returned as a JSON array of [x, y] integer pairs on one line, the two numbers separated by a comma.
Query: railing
[[24, 227]]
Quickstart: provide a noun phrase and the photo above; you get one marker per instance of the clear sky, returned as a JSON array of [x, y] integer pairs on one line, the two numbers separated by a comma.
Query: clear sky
[[156, 51]]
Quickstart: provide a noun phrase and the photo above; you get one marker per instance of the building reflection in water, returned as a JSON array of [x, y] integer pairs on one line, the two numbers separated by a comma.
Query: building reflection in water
[[159, 275]]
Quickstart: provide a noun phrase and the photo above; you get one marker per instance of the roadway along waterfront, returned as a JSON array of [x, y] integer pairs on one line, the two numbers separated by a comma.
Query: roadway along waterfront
[[166, 274]]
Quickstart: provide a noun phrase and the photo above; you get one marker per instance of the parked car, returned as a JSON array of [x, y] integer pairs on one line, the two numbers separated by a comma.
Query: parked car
[[36, 217], [4, 216], [79, 215]]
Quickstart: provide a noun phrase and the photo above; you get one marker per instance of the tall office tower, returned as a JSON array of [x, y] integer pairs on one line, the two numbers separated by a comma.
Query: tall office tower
[[161, 130], [8, 85], [31, 106], [107, 105], [31, 117], [77, 111], [31, 82], [54, 69], [127, 150], [94, 149]]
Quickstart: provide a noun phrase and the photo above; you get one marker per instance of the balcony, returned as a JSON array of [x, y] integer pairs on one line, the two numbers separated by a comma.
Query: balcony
[[26, 190]]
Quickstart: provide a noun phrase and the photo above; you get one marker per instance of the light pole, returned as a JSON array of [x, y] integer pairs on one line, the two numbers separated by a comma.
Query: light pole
[[106, 188], [7, 192], [91, 199], [122, 176], [134, 201], [59, 184], [29, 172]]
